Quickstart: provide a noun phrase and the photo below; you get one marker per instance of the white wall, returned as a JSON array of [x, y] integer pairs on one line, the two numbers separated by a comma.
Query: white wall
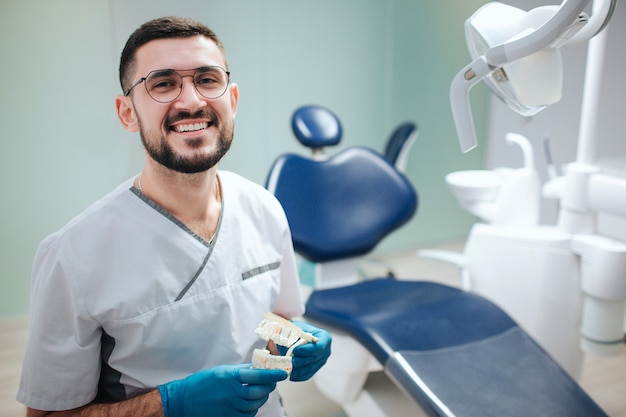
[[375, 63]]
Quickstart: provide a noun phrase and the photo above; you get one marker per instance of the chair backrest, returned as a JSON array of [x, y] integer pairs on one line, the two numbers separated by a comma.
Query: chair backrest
[[338, 206], [341, 207], [399, 143]]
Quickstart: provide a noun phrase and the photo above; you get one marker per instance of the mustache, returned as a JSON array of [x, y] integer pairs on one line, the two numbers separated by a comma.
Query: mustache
[[200, 114]]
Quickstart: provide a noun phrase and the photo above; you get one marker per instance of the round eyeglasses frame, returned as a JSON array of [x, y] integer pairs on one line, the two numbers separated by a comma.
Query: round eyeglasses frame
[[180, 86]]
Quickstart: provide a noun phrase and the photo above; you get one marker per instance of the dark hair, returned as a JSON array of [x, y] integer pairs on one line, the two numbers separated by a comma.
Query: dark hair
[[161, 28]]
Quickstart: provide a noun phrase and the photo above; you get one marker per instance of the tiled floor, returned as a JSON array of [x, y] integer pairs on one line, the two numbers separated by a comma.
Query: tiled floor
[[603, 378]]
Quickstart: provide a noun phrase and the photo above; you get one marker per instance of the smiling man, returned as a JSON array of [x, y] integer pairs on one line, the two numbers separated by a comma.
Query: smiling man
[[146, 303]]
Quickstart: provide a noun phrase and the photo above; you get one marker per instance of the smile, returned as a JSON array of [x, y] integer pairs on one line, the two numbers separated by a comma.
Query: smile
[[193, 127]]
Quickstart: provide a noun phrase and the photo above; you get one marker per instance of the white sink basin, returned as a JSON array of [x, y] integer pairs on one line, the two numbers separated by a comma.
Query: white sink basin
[[474, 185]]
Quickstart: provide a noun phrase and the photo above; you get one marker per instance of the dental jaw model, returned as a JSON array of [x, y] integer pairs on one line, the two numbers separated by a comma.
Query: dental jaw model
[[283, 333]]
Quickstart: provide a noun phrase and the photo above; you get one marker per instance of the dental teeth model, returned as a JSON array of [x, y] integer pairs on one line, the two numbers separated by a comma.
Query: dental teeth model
[[263, 359], [284, 333]]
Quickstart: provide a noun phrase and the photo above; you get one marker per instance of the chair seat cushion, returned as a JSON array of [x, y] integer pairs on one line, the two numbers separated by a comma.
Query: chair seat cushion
[[453, 352], [507, 375], [388, 315]]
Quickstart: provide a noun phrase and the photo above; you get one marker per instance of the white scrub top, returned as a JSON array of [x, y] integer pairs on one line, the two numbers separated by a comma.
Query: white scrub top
[[125, 297]]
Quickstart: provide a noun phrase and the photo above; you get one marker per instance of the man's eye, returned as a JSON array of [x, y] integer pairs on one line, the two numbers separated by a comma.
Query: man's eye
[[206, 80], [160, 84]]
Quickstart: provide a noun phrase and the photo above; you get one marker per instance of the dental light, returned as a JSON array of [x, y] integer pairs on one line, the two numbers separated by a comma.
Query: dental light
[[516, 53]]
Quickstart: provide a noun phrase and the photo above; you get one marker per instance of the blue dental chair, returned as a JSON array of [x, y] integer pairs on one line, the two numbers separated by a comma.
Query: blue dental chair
[[451, 352]]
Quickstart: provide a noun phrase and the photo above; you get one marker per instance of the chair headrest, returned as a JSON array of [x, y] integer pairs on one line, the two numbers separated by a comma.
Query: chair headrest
[[316, 126]]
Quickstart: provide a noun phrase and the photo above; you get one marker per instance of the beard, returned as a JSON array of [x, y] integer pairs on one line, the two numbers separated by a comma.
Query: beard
[[157, 147]]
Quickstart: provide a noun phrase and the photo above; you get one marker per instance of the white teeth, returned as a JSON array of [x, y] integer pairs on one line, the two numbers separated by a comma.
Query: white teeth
[[262, 359], [191, 127]]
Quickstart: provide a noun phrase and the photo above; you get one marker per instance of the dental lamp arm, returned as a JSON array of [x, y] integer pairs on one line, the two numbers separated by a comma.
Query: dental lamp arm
[[550, 32], [460, 101], [538, 39], [602, 12]]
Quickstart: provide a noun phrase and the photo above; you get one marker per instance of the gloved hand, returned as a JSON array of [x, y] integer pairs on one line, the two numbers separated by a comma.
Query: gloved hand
[[226, 390], [310, 357]]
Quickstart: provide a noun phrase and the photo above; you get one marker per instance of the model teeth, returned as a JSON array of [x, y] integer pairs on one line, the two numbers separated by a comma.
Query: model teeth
[[191, 127]]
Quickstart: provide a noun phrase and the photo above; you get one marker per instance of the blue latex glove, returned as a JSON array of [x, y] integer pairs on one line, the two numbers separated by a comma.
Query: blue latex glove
[[310, 357], [226, 390]]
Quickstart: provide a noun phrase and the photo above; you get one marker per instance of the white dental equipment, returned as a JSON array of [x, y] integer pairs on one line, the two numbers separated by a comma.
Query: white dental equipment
[[502, 196], [517, 54], [536, 273]]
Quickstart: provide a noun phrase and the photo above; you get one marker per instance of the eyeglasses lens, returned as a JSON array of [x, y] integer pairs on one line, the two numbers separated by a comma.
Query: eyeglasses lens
[[166, 85]]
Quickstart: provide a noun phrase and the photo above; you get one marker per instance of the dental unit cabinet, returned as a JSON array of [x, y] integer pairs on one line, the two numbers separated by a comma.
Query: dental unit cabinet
[[565, 283]]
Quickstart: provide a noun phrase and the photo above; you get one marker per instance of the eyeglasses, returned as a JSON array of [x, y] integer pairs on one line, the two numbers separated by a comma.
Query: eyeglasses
[[165, 85]]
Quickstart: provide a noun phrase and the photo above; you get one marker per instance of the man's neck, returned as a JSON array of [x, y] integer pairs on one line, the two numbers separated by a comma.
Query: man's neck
[[194, 199]]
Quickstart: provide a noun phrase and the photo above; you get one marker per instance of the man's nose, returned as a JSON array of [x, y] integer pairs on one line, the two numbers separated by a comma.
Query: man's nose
[[189, 95]]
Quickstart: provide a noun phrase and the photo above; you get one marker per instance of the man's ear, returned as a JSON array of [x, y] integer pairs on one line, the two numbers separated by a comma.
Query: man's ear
[[234, 97], [126, 113]]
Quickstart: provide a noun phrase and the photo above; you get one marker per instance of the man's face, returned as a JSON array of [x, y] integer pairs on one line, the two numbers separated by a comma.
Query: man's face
[[192, 133]]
